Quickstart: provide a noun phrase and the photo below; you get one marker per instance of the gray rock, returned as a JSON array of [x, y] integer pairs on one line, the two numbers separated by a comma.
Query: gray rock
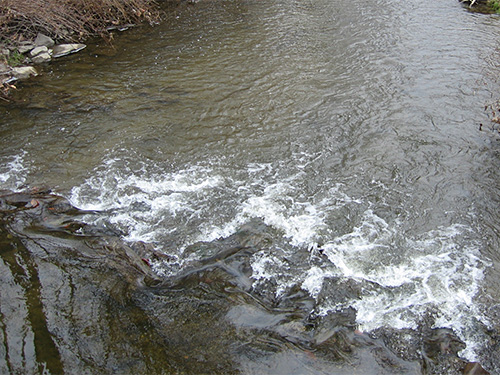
[[26, 48], [43, 40], [42, 57], [38, 50], [65, 49], [23, 72], [4, 68]]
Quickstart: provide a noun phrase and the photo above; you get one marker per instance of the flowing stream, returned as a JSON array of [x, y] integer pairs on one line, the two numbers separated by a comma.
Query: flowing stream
[[349, 129]]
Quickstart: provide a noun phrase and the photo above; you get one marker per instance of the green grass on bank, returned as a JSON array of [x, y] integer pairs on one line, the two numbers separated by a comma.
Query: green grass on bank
[[494, 5]]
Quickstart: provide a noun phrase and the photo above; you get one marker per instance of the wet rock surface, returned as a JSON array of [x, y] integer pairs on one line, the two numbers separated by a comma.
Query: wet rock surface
[[76, 299], [24, 72]]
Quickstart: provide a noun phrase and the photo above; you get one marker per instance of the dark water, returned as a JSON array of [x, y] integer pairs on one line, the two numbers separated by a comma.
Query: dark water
[[351, 129]]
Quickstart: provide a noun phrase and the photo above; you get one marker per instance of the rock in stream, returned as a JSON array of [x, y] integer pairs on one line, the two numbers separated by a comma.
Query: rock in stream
[[76, 299]]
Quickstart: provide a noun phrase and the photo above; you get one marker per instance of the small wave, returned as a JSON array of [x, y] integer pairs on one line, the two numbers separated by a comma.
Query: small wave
[[409, 273], [441, 270], [13, 172], [145, 206]]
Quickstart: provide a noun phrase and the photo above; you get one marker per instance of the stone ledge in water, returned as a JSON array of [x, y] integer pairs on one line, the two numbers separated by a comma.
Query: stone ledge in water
[[96, 307], [24, 72], [42, 58], [66, 49], [42, 217]]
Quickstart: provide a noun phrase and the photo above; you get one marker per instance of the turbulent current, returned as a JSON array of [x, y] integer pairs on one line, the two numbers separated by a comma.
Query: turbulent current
[[352, 134]]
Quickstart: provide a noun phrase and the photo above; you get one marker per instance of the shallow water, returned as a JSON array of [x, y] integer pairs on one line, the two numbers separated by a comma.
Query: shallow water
[[351, 129]]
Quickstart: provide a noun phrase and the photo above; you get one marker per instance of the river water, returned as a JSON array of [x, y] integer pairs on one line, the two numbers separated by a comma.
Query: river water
[[351, 129]]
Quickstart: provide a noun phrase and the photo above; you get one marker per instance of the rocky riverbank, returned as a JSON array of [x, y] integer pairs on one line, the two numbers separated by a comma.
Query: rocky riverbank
[[30, 29], [19, 60], [76, 299]]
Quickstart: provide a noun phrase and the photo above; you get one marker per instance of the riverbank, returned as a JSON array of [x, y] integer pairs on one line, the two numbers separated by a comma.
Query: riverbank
[[18, 61], [35, 32]]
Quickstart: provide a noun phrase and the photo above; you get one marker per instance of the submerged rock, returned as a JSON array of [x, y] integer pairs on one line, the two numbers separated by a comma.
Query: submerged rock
[[86, 302], [75, 299]]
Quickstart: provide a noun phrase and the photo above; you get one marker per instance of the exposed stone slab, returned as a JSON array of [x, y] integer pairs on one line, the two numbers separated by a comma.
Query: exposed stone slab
[[25, 48], [43, 40], [38, 50], [66, 49], [23, 72], [41, 58]]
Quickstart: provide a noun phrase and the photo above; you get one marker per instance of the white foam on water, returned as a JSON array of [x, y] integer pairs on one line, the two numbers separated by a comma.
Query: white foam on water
[[13, 172], [372, 235], [313, 281], [280, 206], [147, 205], [299, 221], [439, 270], [271, 269], [264, 266], [144, 205]]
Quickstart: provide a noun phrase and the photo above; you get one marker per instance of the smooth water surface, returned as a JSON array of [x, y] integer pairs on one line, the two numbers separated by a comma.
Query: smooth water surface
[[350, 128]]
